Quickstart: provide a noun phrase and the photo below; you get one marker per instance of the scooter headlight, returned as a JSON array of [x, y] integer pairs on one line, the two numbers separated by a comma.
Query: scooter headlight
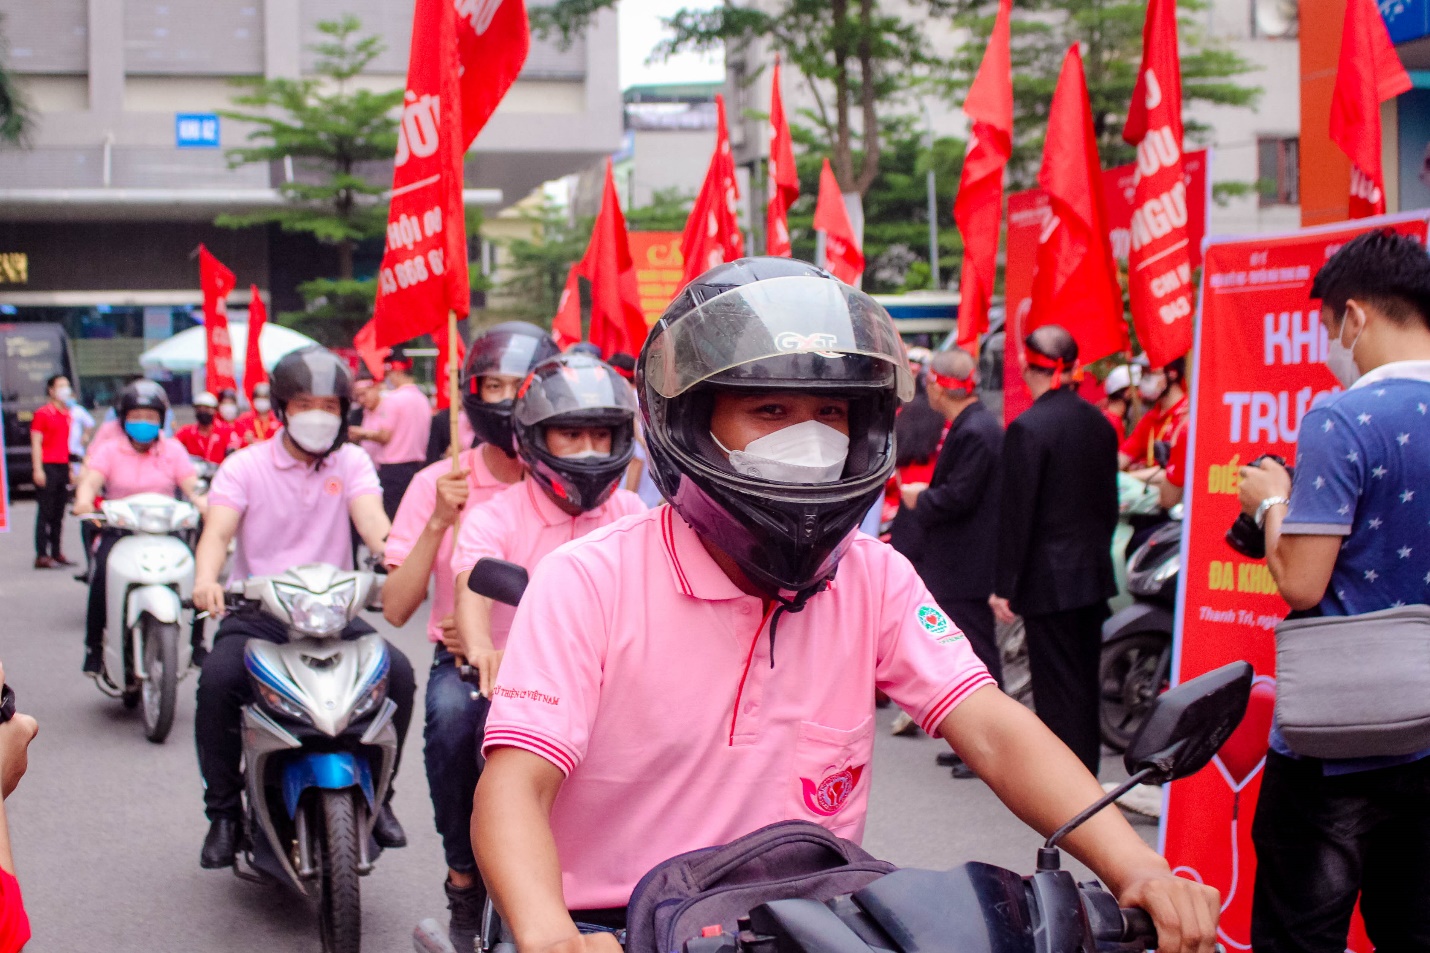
[[279, 702], [318, 614], [154, 519], [371, 699], [120, 515]]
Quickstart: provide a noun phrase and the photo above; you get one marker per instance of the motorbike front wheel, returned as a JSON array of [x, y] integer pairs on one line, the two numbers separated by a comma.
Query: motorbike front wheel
[[340, 905], [1133, 672], [160, 687]]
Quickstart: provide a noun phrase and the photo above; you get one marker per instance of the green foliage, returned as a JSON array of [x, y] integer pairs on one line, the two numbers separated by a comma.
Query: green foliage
[[667, 212], [534, 272], [16, 115], [328, 127], [336, 309]]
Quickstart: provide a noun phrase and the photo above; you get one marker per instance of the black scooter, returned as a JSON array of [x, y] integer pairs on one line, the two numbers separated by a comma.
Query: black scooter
[[976, 907]]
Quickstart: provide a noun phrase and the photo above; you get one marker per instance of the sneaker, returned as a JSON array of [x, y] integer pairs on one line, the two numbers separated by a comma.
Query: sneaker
[[904, 724], [1144, 799], [466, 905], [429, 937]]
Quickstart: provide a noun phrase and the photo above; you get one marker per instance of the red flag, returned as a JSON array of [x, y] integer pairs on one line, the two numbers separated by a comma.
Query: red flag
[[216, 281], [566, 326], [712, 233], [424, 267], [444, 393], [979, 205], [784, 180], [373, 357], [253, 370], [1369, 73], [1075, 283], [493, 39], [617, 323], [1159, 265], [842, 256]]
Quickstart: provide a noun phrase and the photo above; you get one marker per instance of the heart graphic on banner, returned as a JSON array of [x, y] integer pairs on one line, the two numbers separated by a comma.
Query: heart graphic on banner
[[1244, 753]]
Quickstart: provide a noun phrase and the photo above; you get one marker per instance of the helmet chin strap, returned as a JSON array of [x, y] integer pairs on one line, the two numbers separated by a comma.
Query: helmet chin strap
[[796, 604]]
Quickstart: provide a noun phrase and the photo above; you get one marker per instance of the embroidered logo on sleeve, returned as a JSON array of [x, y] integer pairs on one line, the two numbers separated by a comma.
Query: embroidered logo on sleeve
[[831, 794], [937, 624]]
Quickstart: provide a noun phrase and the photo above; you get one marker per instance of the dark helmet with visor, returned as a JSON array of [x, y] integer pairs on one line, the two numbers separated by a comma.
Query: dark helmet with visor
[[761, 325], [575, 390], [317, 371], [511, 349], [142, 394]]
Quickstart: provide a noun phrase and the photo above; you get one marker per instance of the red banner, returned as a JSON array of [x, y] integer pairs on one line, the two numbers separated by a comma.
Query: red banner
[[216, 281], [493, 40], [1368, 73], [1259, 368], [254, 373], [1027, 211], [842, 255], [658, 269], [784, 181], [712, 232]]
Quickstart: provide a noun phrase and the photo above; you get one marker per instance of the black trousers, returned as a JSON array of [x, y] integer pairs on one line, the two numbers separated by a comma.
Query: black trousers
[[98, 590], [224, 688], [1322, 841], [975, 618], [395, 478], [1063, 653], [50, 517]]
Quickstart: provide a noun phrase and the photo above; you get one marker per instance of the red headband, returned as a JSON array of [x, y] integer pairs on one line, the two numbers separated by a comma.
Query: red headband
[[966, 384], [1055, 364]]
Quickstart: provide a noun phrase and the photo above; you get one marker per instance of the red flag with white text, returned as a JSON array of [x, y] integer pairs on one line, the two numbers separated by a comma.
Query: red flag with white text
[[216, 281], [978, 207], [424, 267], [1369, 72], [617, 323], [842, 256], [1075, 284], [712, 233], [493, 39], [254, 372], [1159, 267], [783, 177]]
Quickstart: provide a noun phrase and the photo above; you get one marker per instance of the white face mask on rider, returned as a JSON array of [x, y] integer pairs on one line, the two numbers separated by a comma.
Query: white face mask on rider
[[314, 430], [228, 411], [1340, 358], [262, 404], [807, 452]]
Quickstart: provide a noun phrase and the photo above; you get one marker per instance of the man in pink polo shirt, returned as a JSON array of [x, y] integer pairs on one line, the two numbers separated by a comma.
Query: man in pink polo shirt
[[420, 547], [287, 501], [404, 423], [678, 680], [142, 460]]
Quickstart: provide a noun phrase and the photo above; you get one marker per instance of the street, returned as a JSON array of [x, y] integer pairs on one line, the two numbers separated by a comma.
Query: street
[[107, 827]]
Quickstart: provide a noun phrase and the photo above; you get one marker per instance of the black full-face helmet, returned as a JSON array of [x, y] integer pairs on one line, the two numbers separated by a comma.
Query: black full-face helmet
[[575, 390], [512, 349], [142, 394], [761, 325], [312, 370]]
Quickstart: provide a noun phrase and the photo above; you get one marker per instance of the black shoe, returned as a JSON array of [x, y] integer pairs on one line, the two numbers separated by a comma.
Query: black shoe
[[386, 831], [947, 759], [964, 772], [82, 577], [93, 661], [465, 904], [220, 845], [201, 652]]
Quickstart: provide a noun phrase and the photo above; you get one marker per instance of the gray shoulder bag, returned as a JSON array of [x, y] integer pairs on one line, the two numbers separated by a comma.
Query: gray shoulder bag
[[1355, 686]]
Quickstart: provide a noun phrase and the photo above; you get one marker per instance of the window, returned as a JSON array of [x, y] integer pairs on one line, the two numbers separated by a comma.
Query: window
[[1278, 170]]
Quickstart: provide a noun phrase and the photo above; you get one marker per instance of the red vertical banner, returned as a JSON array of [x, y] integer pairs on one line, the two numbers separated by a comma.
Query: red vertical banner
[[254, 373], [566, 326], [493, 39], [842, 255], [216, 281], [374, 358], [617, 324], [1259, 366], [783, 178], [1369, 72], [712, 232]]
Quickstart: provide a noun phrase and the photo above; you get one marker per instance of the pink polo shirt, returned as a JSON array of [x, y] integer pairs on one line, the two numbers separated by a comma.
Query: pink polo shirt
[[292, 513], [637, 668], [418, 504], [373, 420], [127, 471], [522, 525], [407, 414]]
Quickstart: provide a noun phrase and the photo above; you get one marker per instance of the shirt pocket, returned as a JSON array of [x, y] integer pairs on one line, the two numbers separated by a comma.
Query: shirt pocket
[[831, 783]]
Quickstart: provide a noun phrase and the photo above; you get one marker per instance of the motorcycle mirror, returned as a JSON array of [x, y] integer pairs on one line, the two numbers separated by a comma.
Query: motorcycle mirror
[[498, 579], [1188, 724]]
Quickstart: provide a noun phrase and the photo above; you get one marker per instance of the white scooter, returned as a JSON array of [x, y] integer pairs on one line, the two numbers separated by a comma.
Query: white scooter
[[149, 574], [319, 744]]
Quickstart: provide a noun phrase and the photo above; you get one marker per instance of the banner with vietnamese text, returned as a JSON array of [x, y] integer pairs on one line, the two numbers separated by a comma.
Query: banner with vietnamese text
[[658, 270]]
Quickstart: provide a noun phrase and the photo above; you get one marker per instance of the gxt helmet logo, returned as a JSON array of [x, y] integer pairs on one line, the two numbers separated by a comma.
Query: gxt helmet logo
[[820, 342]]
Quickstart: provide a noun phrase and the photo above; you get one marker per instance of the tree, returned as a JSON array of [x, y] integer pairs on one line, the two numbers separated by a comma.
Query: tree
[[16, 115], [534, 273], [667, 212]]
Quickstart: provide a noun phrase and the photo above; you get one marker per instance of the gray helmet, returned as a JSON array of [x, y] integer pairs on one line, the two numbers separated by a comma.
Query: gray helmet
[[312, 370]]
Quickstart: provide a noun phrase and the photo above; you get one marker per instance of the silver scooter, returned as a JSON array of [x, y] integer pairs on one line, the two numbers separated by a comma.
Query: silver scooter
[[319, 744], [149, 574]]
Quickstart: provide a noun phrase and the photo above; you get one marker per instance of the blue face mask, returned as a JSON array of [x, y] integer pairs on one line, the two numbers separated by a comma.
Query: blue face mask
[[141, 431]]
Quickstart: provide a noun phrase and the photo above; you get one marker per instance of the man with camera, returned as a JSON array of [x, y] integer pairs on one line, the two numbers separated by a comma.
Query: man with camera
[[1350, 539]]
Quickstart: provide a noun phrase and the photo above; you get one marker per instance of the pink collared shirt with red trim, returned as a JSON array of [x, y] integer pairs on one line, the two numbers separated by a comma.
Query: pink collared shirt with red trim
[[639, 669]]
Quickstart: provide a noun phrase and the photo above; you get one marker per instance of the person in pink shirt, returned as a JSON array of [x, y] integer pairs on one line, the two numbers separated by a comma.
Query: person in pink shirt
[[420, 547], [677, 680], [142, 461], [285, 502], [368, 395], [405, 422]]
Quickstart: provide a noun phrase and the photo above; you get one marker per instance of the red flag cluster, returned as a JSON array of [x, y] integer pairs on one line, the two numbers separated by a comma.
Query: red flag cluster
[[1369, 72], [216, 282], [712, 233]]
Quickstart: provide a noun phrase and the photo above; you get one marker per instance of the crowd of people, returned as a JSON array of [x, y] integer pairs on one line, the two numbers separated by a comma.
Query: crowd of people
[[699, 648]]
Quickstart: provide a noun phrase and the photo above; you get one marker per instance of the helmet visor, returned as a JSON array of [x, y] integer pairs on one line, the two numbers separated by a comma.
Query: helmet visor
[[511, 357], [554, 391], [777, 317]]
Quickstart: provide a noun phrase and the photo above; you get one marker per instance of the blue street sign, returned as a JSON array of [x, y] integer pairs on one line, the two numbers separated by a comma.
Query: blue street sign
[[196, 130], [1405, 19]]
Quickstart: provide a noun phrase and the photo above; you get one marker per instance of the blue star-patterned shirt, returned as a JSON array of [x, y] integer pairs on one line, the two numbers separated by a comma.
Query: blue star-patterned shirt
[[1363, 472]]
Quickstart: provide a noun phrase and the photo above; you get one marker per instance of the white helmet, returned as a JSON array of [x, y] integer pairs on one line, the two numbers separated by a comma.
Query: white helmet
[[1121, 377], [206, 399]]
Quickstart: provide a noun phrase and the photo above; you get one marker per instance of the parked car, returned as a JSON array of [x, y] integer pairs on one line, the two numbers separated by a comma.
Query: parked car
[[30, 354]]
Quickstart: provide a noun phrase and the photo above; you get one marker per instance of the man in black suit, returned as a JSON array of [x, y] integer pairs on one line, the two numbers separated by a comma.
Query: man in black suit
[[957, 510], [1058, 514]]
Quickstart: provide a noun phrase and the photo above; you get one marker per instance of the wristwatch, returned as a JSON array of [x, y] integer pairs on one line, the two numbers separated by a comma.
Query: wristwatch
[[1266, 504]]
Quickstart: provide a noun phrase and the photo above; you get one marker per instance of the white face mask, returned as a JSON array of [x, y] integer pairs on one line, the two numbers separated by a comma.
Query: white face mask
[[261, 404], [1340, 359], [228, 411], [63, 394], [314, 430], [1151, 387], [808, 452], [586, 455]]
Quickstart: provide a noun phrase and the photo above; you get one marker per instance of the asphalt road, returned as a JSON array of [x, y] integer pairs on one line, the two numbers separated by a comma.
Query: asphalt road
[[107, 827]]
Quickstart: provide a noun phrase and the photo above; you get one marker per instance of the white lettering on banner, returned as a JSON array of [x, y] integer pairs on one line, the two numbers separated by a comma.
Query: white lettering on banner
[[1265, 417], [1154, 89], [223, 366], [1260, 276], [1159, 149], [478, 12], [1173, 310], [1165, 284], [417, 136], [220, 335], [1049, 227], [1296, 337], [1159, 215], [1121, 239], [1362, 187]]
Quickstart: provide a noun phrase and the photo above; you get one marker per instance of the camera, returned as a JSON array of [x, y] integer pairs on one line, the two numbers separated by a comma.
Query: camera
[[1245, 536]]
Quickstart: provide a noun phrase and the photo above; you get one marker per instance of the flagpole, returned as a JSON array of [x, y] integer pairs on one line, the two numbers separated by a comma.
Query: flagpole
[[453, 397]]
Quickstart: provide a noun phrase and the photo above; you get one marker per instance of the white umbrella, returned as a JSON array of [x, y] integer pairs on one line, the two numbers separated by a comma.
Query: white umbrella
[[187, 350]]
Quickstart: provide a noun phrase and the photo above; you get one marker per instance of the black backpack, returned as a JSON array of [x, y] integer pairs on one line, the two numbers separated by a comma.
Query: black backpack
[[715, 886]]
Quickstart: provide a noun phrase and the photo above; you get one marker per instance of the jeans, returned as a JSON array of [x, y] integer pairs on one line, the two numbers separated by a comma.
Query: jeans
[[50, 516], [453, 735], [1322, 841]]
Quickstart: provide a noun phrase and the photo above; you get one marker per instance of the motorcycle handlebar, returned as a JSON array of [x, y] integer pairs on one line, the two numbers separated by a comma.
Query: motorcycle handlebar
[[1138, 929]]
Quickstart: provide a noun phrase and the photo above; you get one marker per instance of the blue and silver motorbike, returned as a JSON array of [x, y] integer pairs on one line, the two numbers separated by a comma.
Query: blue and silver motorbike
[[319, 744]]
